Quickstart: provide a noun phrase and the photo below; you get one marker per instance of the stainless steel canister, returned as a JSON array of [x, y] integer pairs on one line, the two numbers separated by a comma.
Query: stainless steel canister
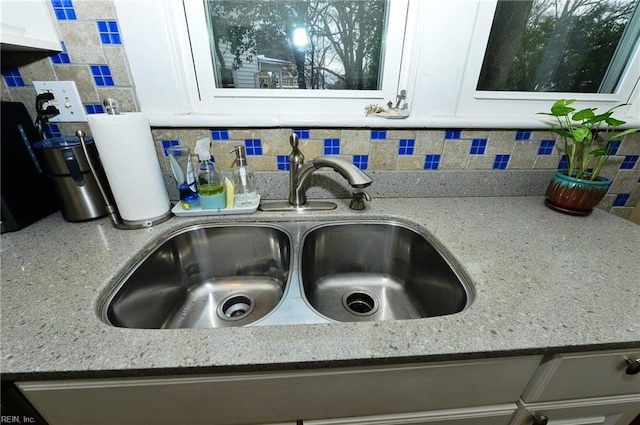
[[66, 165]]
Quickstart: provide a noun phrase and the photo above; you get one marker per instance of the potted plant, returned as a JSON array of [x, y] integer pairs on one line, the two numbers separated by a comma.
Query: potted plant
[[578, 188]]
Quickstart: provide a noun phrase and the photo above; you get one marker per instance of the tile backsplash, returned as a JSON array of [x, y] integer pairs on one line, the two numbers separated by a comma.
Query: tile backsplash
[[94, 57]]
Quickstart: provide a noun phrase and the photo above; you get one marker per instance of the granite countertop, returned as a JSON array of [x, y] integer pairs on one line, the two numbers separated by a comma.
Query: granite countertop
[[544, 282]]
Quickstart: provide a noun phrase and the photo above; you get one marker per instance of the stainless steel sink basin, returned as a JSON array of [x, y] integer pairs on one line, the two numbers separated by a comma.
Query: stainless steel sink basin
[[378, 271], [204, 277], [221, 275]]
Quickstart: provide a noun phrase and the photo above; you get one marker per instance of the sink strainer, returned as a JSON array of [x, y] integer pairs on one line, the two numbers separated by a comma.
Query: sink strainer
[[236, 307], [360, 303]]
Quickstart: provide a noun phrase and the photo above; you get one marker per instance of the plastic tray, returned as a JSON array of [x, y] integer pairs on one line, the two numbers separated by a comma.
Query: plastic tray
[[197, 211]]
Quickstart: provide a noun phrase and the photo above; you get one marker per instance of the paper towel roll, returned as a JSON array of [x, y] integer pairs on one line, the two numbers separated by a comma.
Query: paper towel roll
[[129, 159]]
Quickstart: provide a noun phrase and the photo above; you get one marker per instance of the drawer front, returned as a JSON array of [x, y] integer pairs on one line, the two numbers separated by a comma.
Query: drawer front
[[592, 411], [283, 396], [494, 415], [582, 375]]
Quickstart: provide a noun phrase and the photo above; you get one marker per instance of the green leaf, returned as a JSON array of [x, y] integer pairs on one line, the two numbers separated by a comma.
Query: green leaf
[[624, 133], [564, 102], [599, 152], [597, 119], [613, 122], [562, 132], [583, 114], [580, 134], [561, 111], [561, 108]]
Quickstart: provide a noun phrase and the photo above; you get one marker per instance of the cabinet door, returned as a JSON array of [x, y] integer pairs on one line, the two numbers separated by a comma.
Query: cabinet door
[[27, 25], [494, 415], [272, 397], [583, 375], [593, 411]]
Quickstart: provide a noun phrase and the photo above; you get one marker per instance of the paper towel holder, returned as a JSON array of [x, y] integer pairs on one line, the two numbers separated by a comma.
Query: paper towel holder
[[114, 216]]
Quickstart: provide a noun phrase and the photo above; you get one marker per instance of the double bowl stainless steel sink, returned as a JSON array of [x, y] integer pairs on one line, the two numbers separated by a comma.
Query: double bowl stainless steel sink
[[222, 275]]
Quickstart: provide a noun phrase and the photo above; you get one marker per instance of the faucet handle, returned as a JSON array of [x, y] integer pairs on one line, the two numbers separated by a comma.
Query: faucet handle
[[357, 201], [294, 141]]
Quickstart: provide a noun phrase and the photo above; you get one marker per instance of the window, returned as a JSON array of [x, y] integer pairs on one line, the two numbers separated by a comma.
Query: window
[[579, 46], [439, 51], [587, 50], [215, 94], [297, 44]]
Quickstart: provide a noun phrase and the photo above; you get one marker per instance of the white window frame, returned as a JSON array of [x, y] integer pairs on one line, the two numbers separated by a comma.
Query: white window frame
[[438, 65], [482, 103], [209, 94]]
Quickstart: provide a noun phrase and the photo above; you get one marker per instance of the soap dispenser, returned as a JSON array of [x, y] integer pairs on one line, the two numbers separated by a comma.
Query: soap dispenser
[[211, 188], [244, 181]]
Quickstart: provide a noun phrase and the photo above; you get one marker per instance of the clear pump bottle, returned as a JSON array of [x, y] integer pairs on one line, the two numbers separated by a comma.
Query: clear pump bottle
[[211, 190], [244, 181]]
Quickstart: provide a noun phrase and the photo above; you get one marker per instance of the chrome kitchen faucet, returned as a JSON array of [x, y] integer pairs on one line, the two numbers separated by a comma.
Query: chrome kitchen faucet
[[299, 174]]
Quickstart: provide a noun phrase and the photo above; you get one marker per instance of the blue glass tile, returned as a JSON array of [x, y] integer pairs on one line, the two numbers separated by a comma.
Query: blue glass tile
[[546, 147], [432, 162], [478, 146], [564, 163], [52, 130], [108, 31], [501, 162], [378, 134], [219, 134], [621, 200], [12, 77], [283, 162], [332, 146], [61, 57], [629, 162], [94, 108], [102, 75], [406, 146], [253, 147], [613, 146], [64, 10], [452, 134], [167, 144], [523, 135], [361, 161], [302, 133]]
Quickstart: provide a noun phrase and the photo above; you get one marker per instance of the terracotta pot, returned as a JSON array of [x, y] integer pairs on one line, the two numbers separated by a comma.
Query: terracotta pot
[[573, 196]]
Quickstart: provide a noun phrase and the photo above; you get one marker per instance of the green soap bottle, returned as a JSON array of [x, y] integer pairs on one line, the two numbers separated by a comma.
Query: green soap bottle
[[210, 182]]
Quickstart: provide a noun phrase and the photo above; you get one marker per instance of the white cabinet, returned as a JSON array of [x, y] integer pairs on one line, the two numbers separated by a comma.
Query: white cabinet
[[27, 25], [569, 389], [583, 388], [472, 392]]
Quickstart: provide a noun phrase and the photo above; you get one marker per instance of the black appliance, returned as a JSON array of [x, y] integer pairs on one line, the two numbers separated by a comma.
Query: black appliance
[[27, 193]]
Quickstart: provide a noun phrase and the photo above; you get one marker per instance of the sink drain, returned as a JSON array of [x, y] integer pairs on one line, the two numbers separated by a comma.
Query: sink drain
[[360, 303], [236, 307]]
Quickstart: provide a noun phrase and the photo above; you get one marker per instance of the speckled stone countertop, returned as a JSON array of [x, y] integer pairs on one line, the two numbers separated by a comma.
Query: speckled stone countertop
[[544, 282]]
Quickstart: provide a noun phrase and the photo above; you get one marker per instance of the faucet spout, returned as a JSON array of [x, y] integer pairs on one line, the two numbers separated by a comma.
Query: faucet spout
[[350, 172], [353, 174]]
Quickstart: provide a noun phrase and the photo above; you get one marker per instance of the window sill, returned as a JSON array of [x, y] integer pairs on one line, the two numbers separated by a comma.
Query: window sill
[[305, 120]]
